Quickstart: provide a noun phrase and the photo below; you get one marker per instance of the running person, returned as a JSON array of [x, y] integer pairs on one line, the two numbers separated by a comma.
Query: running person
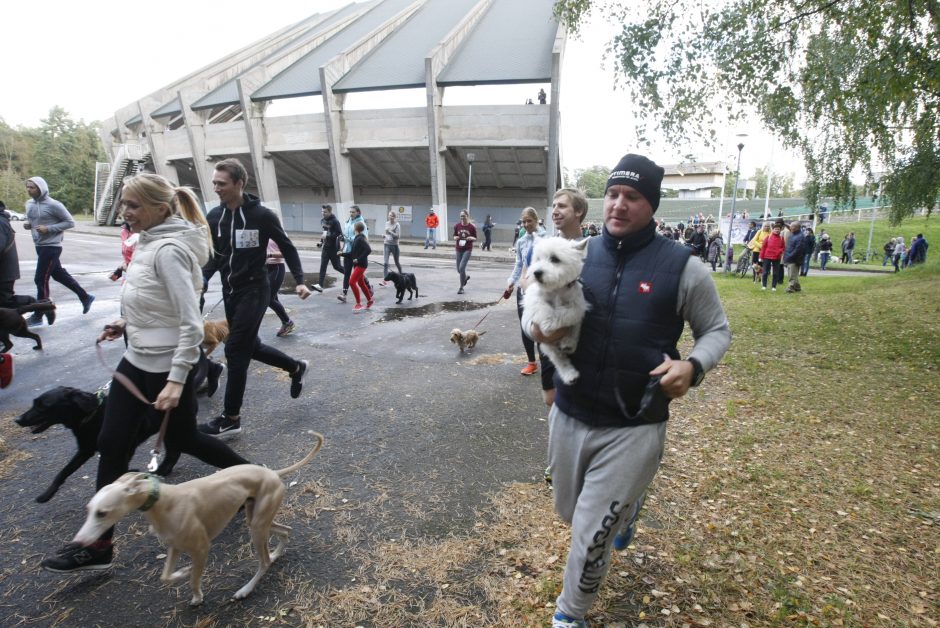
[[241, 228], [524, 247]]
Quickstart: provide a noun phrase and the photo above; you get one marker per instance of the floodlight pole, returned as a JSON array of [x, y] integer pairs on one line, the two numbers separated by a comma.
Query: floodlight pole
[[470, 158], [734, 195]]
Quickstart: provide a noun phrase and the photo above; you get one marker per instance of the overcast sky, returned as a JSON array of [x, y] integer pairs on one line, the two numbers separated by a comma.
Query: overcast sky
[[93, 57]]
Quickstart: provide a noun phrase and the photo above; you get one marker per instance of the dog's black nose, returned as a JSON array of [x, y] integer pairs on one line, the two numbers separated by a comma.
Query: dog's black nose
[[538, 275]]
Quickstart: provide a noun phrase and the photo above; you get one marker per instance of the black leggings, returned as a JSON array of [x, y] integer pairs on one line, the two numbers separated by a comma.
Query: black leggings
[[347, 271], [275, 279], [328, 256], [125, 416], [527, 342], [244, 311]]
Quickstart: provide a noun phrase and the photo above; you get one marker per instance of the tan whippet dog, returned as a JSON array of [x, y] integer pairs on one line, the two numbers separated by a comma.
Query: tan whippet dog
[[186, 517]]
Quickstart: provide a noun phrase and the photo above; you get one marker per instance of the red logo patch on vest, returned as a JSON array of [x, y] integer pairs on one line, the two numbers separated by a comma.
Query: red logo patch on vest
[[646, 287]]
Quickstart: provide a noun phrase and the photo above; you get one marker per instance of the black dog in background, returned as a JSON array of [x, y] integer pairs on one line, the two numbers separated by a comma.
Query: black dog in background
[[83, 413], [13, 323], [403, 281]]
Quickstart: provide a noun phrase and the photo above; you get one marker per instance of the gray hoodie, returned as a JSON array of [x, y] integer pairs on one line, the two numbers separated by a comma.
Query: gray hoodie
[[48, 212], [160, 298]]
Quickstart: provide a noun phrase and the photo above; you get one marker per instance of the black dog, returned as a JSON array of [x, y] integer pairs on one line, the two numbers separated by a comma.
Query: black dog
[[403, 281], [13, 323], [83, 413]]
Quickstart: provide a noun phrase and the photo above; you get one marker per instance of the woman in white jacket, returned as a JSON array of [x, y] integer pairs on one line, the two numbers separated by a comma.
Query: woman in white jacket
[[159, 304]]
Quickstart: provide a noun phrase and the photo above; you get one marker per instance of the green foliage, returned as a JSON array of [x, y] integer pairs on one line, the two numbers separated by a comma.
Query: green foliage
[[60, 150], [592, 181], [848, 83], [781, 185]]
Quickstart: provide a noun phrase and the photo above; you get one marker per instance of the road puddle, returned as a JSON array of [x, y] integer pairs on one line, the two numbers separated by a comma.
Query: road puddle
[[393, 314]]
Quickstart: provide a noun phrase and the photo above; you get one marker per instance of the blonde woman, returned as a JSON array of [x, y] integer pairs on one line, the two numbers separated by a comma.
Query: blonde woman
[[160, 304], [524, 248]]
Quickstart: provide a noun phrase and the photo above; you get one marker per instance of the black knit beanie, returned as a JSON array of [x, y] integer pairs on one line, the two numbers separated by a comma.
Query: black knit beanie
[[641, 174]]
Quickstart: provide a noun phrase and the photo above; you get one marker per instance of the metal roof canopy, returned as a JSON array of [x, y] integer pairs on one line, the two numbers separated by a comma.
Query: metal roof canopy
[[512, 43], [303, 77], [172, 108], [398, 62], [227, 93]]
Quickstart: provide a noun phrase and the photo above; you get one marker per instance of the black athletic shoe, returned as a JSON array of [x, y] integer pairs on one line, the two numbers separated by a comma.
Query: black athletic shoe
[[221, 425], [212, 378], [75, 557], [86, 303], [34, 320], [297, 379]]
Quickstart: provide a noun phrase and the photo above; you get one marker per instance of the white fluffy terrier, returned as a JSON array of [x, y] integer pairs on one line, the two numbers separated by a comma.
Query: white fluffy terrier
[[554, 300]]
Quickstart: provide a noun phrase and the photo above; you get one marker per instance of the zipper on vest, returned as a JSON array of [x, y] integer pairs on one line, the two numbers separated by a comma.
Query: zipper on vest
[[610, 318]]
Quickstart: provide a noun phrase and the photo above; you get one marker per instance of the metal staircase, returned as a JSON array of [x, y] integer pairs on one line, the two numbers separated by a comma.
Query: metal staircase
[[110, 177]]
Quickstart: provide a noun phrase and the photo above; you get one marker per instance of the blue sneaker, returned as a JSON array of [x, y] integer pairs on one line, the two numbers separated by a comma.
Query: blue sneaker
[[560, 620], [86, 303], [623, 540]]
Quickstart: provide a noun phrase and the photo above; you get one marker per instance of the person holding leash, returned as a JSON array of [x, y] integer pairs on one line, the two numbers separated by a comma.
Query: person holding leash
[[524, 247], [163, 328], [607, 430], [392, 235]]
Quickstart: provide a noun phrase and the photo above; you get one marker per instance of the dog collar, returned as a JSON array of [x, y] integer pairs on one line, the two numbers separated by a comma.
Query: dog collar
[[154, 493], [100, 395]]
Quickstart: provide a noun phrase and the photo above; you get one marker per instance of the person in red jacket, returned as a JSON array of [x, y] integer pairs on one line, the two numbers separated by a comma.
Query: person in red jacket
[[770, 253]]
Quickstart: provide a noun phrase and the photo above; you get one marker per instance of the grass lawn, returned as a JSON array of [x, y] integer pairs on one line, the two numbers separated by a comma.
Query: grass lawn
[[800, 486]]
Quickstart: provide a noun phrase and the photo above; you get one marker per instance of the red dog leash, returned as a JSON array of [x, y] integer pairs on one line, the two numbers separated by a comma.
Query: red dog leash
[[488, 313], [125, 381]]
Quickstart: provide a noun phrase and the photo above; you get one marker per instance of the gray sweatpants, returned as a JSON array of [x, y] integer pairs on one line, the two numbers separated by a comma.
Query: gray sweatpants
[[597, 473]]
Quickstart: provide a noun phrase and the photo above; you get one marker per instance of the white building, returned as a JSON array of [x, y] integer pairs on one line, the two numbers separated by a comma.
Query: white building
[[414, 158]]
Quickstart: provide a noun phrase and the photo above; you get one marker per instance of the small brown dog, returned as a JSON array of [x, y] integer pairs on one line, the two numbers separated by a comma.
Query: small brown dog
[[215, 333], [466, 340]]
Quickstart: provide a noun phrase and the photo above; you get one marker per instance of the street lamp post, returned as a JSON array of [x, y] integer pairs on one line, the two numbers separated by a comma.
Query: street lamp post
[[470, 158], [734, 196]]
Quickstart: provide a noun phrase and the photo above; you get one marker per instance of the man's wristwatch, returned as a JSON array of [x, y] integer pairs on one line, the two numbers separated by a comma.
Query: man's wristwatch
[[698, 373]]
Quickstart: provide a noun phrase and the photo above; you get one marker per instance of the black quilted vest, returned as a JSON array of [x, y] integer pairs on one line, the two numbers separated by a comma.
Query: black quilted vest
[[632, 285]]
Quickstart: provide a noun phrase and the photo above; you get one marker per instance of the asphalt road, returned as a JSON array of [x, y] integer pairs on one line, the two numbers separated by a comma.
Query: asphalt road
[[418, 437]]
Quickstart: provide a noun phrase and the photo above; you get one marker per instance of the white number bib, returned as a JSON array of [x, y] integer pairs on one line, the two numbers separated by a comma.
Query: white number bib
[[246, 238]]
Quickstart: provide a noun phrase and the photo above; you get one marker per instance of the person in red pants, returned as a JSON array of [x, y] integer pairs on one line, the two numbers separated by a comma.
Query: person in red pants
[[360, 260]]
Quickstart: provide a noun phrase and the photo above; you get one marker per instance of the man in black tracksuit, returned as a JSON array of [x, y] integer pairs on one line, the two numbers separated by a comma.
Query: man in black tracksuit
[[241, 228], [332, 230]]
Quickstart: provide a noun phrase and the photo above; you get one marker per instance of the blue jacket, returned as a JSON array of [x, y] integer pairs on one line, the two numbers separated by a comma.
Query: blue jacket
[[796, 249]]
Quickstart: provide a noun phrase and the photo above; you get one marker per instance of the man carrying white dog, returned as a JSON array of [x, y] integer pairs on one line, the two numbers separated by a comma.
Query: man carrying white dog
[[608, 428]]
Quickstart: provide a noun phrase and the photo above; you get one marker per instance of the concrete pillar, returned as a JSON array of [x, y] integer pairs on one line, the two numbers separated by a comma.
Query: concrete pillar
[[336, 133], [157, 144], [553, 167], [265, 175], [438, 164], [195, 123]]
